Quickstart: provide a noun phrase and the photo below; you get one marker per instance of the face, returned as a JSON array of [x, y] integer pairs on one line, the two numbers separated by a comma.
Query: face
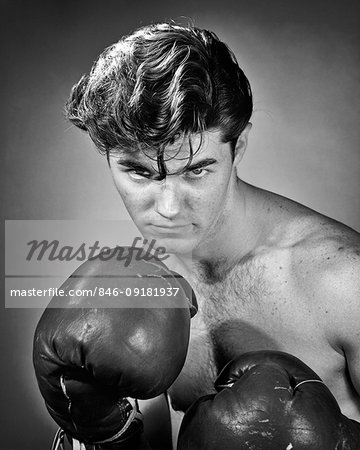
[[186, 211]]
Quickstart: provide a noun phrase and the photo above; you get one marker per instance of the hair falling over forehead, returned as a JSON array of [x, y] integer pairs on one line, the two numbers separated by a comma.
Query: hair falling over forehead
[[158, 86]]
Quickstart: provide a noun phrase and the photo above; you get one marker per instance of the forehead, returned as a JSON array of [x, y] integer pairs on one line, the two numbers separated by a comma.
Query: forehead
[[205, 145]]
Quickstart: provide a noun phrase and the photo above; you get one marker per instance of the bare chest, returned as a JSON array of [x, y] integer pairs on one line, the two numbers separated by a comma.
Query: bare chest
[[254, 310]]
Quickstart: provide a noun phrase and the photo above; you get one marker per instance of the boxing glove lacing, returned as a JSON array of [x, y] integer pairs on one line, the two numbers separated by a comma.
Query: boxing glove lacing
[[308, 381], [58, 442], [135, 414], [230, 385]]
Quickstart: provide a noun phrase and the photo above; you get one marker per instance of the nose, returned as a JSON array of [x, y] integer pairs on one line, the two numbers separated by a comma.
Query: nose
[[168, 199]]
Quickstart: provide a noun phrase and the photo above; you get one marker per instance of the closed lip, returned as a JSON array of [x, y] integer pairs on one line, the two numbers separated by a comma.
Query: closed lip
[[169, 227]]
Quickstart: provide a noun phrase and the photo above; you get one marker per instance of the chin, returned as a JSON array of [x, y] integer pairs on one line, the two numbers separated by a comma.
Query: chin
[[173, 245]]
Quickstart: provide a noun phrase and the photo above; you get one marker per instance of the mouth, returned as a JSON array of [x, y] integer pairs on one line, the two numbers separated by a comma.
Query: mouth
[[169, 229]]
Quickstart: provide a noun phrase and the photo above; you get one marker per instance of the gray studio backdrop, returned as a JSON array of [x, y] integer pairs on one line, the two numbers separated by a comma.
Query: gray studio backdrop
[[302, 59]]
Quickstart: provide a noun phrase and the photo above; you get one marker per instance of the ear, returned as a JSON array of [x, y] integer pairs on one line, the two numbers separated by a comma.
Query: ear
[[241, 145]]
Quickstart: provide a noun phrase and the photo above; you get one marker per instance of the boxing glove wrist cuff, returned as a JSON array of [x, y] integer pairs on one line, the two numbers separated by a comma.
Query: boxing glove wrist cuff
[[135, 415]]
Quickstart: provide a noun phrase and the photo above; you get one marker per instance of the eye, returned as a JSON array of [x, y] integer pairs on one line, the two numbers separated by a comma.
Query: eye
[[138, 174], [197, 173]]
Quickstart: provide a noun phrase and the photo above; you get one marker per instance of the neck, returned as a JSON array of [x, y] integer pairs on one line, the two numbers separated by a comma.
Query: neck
[[235, 240]]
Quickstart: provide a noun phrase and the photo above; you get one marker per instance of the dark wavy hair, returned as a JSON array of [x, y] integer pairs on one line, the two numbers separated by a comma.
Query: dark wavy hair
[[159, 84]]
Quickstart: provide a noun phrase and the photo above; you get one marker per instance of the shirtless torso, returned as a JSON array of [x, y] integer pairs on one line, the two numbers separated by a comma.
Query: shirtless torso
[[284, 296]]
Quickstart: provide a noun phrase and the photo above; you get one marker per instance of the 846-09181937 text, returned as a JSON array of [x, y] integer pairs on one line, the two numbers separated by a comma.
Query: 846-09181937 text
[[97, 291]]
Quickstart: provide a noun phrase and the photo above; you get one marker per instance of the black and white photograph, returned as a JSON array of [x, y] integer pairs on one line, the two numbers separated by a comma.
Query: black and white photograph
[[181, 219]]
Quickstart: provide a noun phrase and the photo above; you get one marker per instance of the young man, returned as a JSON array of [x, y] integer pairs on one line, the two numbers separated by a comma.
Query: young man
[[170, 108]]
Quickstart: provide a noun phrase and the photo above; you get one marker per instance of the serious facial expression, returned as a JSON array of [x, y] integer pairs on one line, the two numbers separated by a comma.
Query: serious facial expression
[[185, 211]]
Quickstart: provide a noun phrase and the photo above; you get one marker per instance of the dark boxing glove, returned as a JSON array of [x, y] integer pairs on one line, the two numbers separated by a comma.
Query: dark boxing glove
[[268, 401], [93, 354]]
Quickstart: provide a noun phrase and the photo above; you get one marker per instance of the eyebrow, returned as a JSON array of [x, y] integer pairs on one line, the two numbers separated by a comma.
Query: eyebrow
[[200, 164], [130, 163]]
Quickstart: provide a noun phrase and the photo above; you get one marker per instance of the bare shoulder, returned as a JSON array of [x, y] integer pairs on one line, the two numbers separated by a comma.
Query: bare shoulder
[[318, 248], [326, 262], [328, 249]]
